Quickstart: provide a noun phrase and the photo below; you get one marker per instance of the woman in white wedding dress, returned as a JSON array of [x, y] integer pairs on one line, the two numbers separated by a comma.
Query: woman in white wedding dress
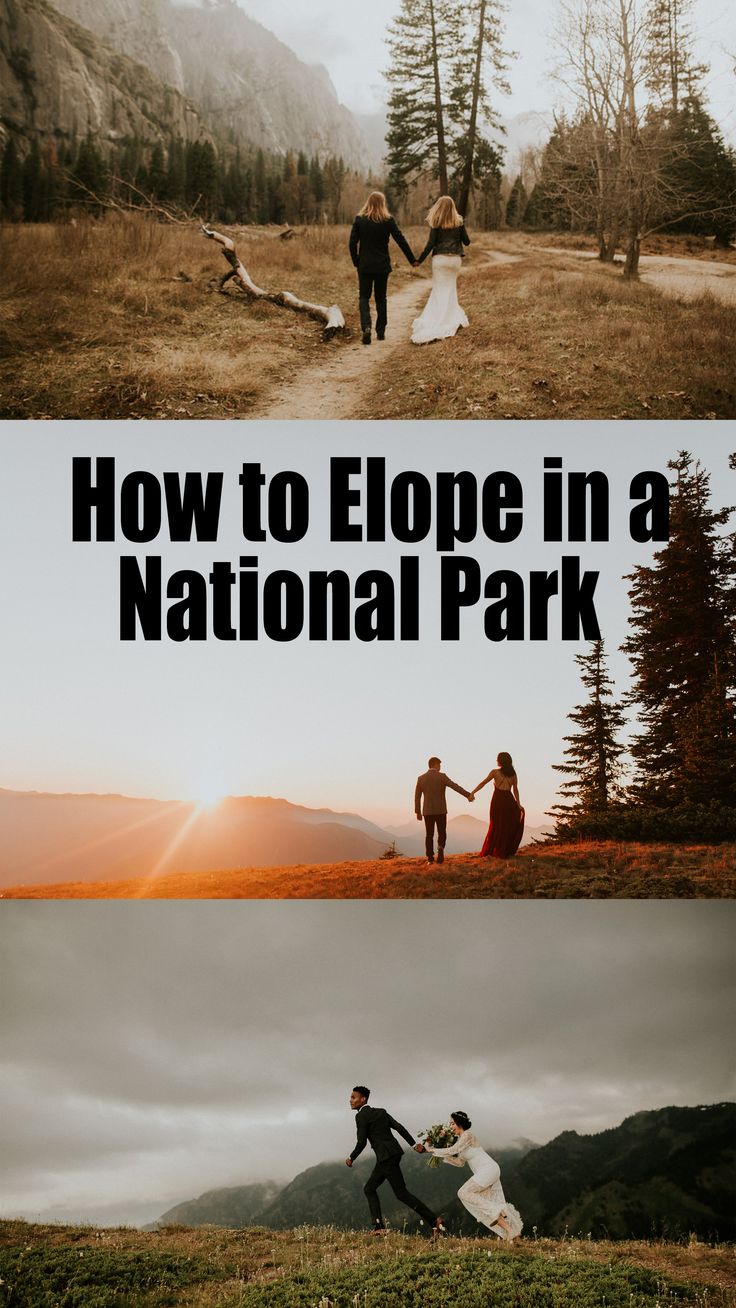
[[481, 1194], [442, 315]]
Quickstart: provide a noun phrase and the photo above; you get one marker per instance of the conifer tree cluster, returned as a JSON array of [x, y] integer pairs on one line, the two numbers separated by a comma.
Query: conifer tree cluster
[[233, 184], [682, 649], [446, 57]]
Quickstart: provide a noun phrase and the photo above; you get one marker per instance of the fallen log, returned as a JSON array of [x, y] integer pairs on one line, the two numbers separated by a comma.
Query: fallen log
[[332, 317]]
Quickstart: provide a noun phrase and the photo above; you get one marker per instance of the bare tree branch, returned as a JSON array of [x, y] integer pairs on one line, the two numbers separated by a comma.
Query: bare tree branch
[[332, 317]]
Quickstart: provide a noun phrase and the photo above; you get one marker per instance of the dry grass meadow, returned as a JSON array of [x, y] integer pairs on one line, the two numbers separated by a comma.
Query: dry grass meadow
[[121, 318], [320, 1267], [585, 871], [555, 337]]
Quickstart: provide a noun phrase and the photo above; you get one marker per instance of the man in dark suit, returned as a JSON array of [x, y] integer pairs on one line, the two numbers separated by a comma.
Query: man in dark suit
[[376, 1127], [430, 803]]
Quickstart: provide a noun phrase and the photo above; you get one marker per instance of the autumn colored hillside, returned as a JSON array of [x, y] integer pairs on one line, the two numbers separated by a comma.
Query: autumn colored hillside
[[607, 870]]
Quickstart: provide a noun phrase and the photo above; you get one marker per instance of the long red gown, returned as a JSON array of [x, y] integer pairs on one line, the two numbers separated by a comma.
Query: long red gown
[[506, 826]]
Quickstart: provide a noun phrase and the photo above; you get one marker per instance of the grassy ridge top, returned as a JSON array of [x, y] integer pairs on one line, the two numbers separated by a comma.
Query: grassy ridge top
[[319, 1267], [604, 870]]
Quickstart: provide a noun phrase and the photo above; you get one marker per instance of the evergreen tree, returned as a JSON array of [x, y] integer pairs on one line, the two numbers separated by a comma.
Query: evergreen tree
[[11, 183], [672, 72], [334, 179], [683, 652], [593, 754], [235, 191], [54, 191], [538, 211], [474, 30], [260, 188], [487, 175], [130, 159], [157, 173], [88, 175], [33, 185], [317, 184], [516, 204], [699, 174], [176, 173], [419, 49], [202, 182]]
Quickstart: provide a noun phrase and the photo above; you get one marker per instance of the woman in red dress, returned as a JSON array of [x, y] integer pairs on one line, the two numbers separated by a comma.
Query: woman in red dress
[[507, 816]]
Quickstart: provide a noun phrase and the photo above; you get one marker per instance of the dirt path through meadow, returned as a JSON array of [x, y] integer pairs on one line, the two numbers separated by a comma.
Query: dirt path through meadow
[[335, 387], [683, 278]]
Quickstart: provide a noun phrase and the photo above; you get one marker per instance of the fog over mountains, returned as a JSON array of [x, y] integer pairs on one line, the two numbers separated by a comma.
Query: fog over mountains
[[667, 1172], [52, 838], [153, 69]]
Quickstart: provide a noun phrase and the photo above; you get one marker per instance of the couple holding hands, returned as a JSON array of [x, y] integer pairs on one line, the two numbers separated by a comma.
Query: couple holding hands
[[481, 1194], [372, 229], [506, 826]]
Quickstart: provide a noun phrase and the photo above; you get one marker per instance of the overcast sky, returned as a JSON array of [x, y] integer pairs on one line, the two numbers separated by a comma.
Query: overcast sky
[[343, 725], [348, 37], [151, 1052]]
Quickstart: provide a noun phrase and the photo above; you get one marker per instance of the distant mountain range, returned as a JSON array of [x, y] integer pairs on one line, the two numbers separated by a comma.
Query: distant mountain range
[[667, 1172], [53, 838], [48, 838], [155, 69]]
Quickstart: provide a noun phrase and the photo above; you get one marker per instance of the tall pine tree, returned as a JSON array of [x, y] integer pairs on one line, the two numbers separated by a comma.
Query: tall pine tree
[[672, 71], [683, 652], [11, 182], [479, 62], [416, 138], [516, 207], [593, 754]]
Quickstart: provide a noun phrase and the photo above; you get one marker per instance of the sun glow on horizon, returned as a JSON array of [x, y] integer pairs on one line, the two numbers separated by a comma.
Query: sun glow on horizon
[[208, 799]]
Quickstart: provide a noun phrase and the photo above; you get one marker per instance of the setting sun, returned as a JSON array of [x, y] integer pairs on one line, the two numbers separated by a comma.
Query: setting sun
[[208, 798]]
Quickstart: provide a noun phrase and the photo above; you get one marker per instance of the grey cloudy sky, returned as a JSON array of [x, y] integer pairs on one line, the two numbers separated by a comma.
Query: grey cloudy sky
[[151, 1052], [348, 37]]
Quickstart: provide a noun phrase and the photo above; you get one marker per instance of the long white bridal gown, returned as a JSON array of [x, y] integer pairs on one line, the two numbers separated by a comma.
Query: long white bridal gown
[[482, 1194], [442, 314]]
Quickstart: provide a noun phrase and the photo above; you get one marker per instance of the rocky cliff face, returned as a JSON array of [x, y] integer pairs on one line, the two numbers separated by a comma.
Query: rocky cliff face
[[137, 28], [248, 82], [57, 79], [124, 67]]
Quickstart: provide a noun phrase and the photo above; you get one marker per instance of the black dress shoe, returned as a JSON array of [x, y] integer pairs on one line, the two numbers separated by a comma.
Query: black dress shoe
[[440, 855], [367, 336], [380, 336]]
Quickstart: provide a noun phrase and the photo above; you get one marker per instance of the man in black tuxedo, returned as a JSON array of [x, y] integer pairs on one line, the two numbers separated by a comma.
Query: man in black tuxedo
[[376, 1127]]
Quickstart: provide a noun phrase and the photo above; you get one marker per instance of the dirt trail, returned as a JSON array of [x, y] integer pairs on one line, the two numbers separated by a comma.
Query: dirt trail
[[335, 386], [684, 278]]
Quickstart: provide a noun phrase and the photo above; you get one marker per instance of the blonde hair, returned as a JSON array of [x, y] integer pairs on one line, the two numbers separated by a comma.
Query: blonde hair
[[375, 208], [444, 214]]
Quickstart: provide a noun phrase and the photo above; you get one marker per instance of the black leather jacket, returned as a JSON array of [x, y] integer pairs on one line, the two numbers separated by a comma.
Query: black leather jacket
[[445, 240], [369, 244]]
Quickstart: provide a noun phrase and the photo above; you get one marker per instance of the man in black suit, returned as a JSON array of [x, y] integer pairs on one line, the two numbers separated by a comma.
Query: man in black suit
[[369, 238], [376, 1127]]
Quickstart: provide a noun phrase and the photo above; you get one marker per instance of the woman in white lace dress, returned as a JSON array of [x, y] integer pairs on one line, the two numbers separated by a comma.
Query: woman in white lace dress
[[442, 315], [481, 1194]]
